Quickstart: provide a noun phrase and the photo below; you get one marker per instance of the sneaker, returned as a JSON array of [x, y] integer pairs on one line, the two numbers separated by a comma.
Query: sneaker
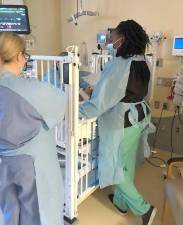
[[149, 216], [111, 196]]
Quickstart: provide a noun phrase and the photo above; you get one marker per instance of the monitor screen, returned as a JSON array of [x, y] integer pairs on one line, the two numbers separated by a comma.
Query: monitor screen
[[178, 44], [14, 18], [101, 38]]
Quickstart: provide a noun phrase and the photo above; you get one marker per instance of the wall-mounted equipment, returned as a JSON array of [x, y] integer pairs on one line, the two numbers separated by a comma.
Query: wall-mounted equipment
[[14, 18], [103, 37], [81, 12], [12, 2], [157, 37], [177, 48]]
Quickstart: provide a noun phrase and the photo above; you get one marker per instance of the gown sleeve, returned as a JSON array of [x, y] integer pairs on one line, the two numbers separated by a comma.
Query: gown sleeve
[[52, 104], [109, 90]]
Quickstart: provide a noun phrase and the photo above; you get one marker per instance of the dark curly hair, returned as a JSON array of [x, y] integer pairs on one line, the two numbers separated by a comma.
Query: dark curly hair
[[135, 39]]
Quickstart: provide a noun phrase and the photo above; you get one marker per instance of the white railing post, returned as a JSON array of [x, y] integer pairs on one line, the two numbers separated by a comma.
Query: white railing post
[[72, 143]]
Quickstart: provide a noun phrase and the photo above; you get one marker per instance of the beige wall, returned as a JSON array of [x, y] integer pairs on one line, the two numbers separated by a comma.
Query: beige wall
[[45, 23], [154, 15]]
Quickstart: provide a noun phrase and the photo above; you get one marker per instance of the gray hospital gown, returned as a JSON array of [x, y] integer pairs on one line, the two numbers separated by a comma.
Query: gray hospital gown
[[31, 185]]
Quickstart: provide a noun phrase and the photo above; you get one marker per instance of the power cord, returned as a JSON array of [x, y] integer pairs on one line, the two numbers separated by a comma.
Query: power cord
[[154, 144], [180, 120], [157, 129], [155, 165], [177, 110], [171, 138], [171, 134]]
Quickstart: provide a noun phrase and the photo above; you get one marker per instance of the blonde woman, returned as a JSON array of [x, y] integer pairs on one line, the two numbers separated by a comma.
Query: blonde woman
[[31, 186]]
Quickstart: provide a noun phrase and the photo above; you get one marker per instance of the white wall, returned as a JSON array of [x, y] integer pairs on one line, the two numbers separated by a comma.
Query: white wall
[[154, 15], [164, 16], [45, 24]]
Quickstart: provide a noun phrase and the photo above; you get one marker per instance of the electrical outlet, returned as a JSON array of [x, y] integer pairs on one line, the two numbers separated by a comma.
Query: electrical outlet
[[167, 82], [177, 130], [164, 81], [165, 106], [30, 45], [159, 62], [159, 81], [156, 104]]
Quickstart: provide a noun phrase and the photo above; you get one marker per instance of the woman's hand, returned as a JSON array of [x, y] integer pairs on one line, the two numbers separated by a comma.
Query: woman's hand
[[85, 94], [88, 91]]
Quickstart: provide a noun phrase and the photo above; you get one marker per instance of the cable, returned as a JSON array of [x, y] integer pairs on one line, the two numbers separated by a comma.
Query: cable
[[171, 134], [157, 128], [155, 165], [154, 143], [178, 109]]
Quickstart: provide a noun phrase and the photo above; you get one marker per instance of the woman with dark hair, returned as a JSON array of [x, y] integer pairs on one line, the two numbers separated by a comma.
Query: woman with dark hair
[[123, 117]]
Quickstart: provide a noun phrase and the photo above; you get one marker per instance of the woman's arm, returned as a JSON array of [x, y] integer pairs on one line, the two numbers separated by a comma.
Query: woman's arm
[[108, 91]]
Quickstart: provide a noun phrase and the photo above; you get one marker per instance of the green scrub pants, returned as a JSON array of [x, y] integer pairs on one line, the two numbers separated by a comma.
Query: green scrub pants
[[126, 195]]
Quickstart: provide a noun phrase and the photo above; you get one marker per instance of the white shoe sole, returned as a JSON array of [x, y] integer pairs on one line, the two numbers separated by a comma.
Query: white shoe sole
[[153, 214]]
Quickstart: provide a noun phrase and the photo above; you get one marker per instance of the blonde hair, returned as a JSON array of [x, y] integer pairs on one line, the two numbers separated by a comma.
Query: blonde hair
[[10, 45]]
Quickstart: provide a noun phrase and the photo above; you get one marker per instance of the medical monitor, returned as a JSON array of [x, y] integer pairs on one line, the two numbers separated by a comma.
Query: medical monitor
[[177, 49], [14, 18], [102, 37]]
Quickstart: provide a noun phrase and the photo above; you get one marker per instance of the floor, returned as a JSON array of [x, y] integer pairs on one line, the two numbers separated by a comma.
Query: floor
[[97, 209]]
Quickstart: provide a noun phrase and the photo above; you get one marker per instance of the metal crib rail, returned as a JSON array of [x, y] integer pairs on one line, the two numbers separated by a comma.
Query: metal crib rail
[[76, 155]]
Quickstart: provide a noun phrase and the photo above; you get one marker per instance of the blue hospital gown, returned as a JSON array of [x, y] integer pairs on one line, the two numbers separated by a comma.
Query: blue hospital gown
[[40, 107]]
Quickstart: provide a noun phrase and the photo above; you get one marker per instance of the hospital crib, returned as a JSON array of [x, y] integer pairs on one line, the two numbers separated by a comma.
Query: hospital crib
[[76, 139]]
